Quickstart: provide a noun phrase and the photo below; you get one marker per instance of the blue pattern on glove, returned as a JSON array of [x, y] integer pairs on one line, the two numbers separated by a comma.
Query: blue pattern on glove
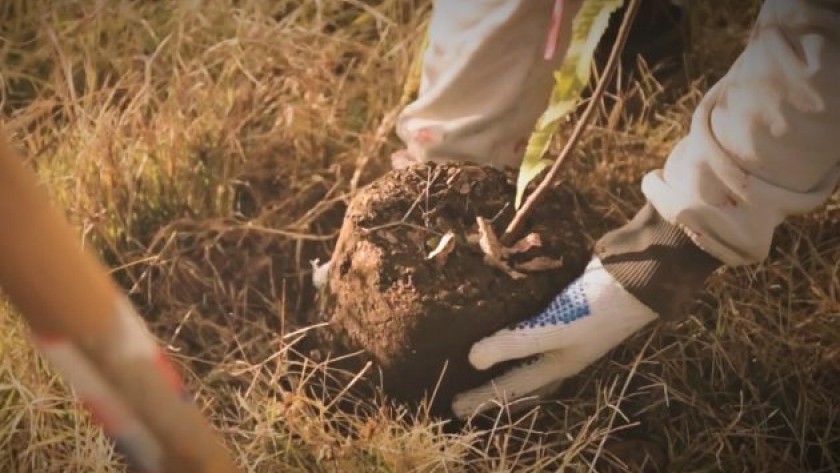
[[567, 307]]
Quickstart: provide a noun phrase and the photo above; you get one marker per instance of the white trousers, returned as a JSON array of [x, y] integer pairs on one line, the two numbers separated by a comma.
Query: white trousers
[[760, 147]]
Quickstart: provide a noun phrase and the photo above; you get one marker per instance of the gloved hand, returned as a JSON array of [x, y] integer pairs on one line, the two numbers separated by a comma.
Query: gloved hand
[[645, 270]]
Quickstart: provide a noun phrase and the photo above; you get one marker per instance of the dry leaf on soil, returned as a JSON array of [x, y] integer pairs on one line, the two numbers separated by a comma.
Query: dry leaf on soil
[[493, 251], [531, 240], [443, 249]]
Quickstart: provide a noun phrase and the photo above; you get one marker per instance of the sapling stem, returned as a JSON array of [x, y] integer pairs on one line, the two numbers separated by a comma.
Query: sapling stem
[[515, 227]]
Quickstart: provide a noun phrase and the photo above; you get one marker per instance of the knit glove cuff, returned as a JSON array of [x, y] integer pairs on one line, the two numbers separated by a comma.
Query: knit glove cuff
[[656, 262]]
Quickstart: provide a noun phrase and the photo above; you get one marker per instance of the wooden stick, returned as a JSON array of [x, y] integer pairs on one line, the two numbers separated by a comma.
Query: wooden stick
[[515, 226], [88, 329]]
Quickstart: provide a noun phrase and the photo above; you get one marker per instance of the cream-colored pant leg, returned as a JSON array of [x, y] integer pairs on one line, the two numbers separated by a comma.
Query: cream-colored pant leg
[[763, 143], [485, 81]]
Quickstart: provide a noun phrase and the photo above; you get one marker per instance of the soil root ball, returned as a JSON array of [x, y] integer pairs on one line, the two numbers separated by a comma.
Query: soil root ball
[[416, 317]]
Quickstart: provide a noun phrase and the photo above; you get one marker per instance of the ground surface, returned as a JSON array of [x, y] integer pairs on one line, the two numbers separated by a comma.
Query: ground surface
[[208, 150]]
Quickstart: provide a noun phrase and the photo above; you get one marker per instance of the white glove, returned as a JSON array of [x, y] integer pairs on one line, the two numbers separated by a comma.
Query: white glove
[[585, 321]]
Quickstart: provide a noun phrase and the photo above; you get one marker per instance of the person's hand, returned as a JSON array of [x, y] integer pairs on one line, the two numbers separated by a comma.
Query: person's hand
[[646, 269], [585, 321]]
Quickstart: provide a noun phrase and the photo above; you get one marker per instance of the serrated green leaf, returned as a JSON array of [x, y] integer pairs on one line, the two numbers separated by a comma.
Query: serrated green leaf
[[588, 27]]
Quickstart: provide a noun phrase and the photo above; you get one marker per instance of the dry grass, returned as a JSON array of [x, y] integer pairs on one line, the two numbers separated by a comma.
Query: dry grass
[[206, 150]]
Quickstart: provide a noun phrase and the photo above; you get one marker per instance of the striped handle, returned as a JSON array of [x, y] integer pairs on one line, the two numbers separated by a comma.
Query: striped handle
[[90, 332]]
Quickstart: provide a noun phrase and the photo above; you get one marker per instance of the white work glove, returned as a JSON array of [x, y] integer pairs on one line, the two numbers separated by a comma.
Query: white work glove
[[585, 321], [644, 270]]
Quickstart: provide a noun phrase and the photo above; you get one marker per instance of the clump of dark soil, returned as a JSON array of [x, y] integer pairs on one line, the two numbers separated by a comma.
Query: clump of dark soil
[[416, 318]]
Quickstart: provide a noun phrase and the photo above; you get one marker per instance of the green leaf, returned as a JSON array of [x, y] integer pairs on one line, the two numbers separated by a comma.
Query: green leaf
[[588, 27]]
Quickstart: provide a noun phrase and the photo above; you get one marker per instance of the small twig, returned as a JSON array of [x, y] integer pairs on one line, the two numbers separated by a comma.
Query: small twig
[[515, 226], [367, 231]]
